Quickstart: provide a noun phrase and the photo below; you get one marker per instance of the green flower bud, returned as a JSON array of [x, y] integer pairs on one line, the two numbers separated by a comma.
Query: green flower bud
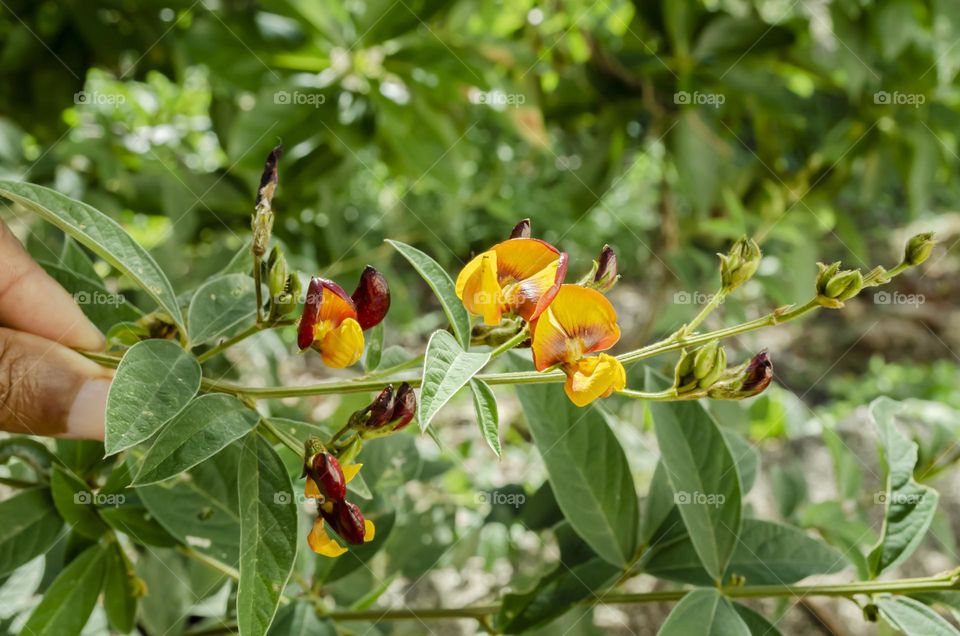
[[276, 272], [700, 368], [739, 264], [835, 285], [918, 249]]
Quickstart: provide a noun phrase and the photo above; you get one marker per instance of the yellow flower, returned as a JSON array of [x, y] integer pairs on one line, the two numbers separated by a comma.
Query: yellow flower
[[519, 276], [343, 517], [578, 322], [329, 324]]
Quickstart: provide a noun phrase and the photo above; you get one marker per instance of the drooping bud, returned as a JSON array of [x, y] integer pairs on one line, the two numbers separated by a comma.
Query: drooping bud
[[608, 272], [350, 522], [404, 408], [326, 472], [918, 249], [372, 298], [311, 313], [739, 264], [521, 229], [747, 380], [262, 222], [835, 285], [380, 411]]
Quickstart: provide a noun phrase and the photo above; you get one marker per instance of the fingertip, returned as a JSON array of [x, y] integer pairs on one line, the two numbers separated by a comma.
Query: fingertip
[[87, 413]]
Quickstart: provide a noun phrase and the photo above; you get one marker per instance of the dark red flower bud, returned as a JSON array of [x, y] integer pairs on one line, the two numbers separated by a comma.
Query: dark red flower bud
[[404, 407], [521, 229], [758, 375], [269, 178], [607, 270], [328, 475], [350, 522], [381, 409], [311, 313], [372, 298]]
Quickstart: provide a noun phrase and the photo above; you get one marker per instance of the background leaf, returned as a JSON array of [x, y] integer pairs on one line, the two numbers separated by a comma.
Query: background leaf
[[154, 381], [488, 417], [119, 595], [912, 617], [221, 307], [704, 611], [31, 526], [71, 597]]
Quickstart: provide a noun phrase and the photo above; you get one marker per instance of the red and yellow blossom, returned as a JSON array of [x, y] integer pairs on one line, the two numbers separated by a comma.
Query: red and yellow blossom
[[333, 322], [518, 276], [327, 483], [578, 322]]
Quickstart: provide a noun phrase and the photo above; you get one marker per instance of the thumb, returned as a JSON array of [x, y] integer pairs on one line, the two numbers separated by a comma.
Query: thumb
[[48, 389]]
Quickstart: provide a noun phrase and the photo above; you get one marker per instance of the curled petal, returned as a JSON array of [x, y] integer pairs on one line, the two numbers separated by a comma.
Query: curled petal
[[531, 296], [521, 229], [321, 542], [369, 531], [311, 313], [342, 346], [478, 288], [350, 471], [311, 490], [594, 377], [520, 258], [579, 321], [371, 298]]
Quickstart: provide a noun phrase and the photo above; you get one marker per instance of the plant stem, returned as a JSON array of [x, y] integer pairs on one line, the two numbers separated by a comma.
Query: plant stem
[[243, 335], [705, 311], [521, 335], [291, 443], [257, 266]]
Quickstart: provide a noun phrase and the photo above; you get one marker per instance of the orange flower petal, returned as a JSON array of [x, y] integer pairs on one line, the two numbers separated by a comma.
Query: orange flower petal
[[531, 296], [369, 531], [578, 321], [321, 543], [342, 346], [520, 258], [594, 377], [310, 490], [478, 288], [336, 306]]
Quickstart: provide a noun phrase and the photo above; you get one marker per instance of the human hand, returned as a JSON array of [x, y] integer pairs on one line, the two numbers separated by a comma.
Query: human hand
[[46, 388]]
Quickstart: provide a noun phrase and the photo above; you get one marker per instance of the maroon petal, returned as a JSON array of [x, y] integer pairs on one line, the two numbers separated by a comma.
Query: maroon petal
[[372, 298], [381, 409], [328, 475], [350, 522], [521, 229], [311, 313], [405, 406]]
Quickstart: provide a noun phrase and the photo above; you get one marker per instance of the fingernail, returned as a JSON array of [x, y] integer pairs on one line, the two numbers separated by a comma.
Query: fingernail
[[86, 417]]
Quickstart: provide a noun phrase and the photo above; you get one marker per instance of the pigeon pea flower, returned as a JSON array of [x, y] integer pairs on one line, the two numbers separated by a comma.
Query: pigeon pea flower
[[747, 380], [518, 276], [333, 323], [389, 412], [578, 322], [346, 520]]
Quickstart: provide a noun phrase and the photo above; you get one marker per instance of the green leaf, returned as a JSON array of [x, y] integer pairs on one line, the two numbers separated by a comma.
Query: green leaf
[[205, 427], [300, 619], [755, 622], [154, 381], [374, 351], [485, 405], [767, 554], [746, 457], [119, 595], [704, 477], [912, 617], [30, 527], [446, 368], [704, 612], [103, 307], [580, 575], [102, 235], [75, 503], [73, 258], [908, 506], [137, 522], [588, 470], [27, 450], [268, 534], [221, 307], [71, 597], [442, 285], [201, 508], [81, 456]]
